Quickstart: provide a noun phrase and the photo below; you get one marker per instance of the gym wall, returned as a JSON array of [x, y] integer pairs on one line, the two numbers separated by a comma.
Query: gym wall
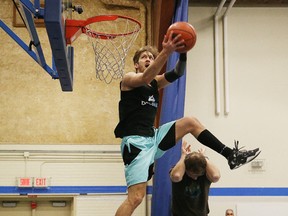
[[256, 50], [34, 110]]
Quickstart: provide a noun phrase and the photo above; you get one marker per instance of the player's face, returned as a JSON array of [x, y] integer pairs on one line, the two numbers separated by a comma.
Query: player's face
[[145, 60], [194, 175]]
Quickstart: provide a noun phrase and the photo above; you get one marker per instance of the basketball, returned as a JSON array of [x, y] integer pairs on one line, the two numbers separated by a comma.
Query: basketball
[[188, 34]]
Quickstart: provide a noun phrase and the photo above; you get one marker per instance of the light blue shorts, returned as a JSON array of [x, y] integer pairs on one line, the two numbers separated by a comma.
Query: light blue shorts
[[139, 154]]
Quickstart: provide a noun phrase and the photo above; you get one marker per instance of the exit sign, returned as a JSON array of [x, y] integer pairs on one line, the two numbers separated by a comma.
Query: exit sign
[[36, 182], [25, 182], [41, 182]]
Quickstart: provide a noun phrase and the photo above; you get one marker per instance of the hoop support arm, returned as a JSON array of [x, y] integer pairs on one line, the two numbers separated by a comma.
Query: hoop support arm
[[73, 29]]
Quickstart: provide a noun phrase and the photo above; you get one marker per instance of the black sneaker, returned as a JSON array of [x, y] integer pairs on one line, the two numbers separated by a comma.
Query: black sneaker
[[240, 157]]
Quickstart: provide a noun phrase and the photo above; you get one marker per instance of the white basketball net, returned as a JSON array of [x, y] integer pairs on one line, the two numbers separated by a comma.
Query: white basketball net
[[111, 48]]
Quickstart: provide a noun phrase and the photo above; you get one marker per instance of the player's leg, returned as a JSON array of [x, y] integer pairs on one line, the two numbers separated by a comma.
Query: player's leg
[[138, 157], [165, 138], [136, 193], [193, 126], [235, 156], [167, 134]]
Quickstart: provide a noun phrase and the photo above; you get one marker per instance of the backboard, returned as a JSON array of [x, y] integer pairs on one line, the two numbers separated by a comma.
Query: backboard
[[56, 12]]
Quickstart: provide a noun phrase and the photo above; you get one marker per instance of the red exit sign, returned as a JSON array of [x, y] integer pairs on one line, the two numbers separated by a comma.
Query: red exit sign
[[25, 182], [41, 182], [37, 182]]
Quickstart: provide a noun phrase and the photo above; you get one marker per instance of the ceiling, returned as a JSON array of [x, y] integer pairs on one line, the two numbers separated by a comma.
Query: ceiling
[[241, 3]]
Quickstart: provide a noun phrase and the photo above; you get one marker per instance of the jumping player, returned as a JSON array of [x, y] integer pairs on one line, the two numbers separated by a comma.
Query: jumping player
[[141, 143]]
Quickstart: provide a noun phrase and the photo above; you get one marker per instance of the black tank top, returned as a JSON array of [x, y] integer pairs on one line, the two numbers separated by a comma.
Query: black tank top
[[137, 111]]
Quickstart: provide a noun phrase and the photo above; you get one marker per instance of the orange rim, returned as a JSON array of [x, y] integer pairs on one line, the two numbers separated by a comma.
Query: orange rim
[[75, 27]]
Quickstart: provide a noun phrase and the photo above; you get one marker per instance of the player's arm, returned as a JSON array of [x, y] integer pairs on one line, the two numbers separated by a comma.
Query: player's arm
[[212, 171], [174, 74], [177, 172], [133, 80]]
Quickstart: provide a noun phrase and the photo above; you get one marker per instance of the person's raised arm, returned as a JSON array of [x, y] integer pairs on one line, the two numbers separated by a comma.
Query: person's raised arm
[[177, 172], [174, 74], [169, 44], [212, 171]]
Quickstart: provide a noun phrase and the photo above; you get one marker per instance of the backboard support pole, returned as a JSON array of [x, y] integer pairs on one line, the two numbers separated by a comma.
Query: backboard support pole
[[26, 48], [27, 15], [62, 65]]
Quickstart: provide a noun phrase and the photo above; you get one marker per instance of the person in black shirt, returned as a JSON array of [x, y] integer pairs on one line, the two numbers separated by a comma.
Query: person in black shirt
[[142, 143], [191, 179]]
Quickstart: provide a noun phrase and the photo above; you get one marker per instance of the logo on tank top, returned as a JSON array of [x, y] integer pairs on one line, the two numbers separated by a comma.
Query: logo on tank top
[[151, 102]]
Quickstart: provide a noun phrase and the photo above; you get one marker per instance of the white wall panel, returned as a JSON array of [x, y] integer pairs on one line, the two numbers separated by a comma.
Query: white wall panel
[[85, 173], [247, 206], [103, 205], [258, 72], [263, 209]]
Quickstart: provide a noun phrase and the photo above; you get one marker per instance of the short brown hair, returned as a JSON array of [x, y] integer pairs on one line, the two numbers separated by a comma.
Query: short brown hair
[[150, 49], [195, 162]]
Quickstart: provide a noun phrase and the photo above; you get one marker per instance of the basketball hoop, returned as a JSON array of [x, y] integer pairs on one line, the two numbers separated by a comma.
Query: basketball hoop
[[111, 47]]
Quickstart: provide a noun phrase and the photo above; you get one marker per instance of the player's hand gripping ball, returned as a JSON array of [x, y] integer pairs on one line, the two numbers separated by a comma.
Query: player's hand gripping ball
[[188, 34]]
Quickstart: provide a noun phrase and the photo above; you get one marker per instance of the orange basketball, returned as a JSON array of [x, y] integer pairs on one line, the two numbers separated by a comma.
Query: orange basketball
[[187, 32]]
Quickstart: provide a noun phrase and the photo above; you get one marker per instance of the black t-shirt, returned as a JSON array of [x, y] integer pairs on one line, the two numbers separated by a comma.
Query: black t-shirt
[[190, 197], [137, 111]]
